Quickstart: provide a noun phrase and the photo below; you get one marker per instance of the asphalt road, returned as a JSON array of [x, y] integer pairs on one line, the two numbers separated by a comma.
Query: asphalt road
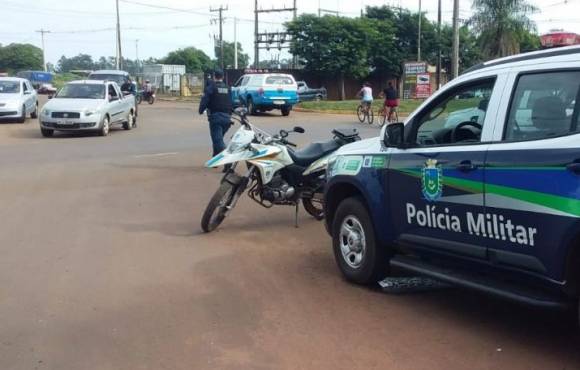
[[103, 266]]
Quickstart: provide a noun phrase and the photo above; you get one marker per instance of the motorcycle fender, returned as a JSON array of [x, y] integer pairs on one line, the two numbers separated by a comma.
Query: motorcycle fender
[[267, 168], [318, 166], [225, 157]]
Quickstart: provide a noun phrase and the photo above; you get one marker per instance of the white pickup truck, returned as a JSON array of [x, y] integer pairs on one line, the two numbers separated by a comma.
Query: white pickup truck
[[88, 105]]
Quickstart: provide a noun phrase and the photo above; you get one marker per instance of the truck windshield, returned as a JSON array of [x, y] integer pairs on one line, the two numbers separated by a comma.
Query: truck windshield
[[82, 91], [9, 87], [279, 80]]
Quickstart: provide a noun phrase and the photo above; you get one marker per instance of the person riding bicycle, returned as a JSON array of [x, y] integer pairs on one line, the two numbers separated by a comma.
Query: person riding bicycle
[[391, 96], [366, 95]]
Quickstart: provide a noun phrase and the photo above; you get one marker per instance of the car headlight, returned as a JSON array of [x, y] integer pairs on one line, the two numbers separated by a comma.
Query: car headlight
[[90, 112], [45, 112]]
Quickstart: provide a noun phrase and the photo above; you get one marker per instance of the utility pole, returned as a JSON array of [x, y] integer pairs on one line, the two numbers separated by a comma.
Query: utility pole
[[419, 35], [455, 56], [294, 57], [256, 45], [438, 76], [42, 32], [137, 54], [235, 43], [119, 59], [221, 20]]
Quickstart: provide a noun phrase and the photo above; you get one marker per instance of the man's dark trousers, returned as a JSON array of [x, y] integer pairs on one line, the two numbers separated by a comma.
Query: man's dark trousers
[[219, 124]]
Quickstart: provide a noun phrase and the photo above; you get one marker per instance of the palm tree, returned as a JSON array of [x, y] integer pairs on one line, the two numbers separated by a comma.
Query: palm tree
[[500, 24]]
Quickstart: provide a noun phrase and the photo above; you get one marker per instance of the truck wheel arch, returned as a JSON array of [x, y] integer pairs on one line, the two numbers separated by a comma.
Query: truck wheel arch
[[335, 194]]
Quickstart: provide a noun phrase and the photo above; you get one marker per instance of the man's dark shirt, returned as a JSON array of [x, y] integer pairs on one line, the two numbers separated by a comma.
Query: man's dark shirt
[[128, 86], [391, 93]]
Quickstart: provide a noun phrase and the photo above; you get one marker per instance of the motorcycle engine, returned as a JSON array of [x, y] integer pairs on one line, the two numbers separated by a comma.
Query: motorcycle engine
[[277, 190]]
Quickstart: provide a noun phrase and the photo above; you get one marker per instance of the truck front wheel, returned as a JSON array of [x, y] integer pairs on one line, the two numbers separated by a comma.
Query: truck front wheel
[[285, 111], [356, 252]]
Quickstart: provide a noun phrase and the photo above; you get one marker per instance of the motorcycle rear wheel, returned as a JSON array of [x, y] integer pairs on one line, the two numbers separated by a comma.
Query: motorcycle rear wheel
[[216, 210], [314, 208]]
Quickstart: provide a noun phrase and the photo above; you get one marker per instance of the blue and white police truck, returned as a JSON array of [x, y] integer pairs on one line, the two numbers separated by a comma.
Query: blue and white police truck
[[479, 187], [265, 92]]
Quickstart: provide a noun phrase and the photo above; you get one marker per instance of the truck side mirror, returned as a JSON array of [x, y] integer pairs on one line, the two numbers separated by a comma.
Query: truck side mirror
[[394, 135]]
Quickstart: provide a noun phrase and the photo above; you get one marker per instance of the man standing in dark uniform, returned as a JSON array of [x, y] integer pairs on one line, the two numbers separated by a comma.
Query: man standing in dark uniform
[[217, 100]]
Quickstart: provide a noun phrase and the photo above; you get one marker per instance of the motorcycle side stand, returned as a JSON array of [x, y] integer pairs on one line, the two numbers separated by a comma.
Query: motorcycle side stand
[[296, 215]]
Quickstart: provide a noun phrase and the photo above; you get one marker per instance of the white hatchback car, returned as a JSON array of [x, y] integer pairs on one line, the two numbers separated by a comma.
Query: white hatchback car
[[18, 99]]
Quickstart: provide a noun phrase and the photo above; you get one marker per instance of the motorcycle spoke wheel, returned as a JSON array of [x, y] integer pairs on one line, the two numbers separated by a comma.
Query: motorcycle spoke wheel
[[314, 206], [216, 210]]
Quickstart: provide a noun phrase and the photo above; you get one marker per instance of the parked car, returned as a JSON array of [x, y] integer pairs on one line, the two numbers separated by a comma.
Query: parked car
[[489, 202], [306, 93], [46, 88], [17, 99], [265, 92], [120, 77], [88, 105]]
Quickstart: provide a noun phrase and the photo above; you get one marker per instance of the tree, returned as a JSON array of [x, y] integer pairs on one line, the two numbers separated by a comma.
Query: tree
[[500, 25], [335, 45], [194, 60], [243, 59], [17, 57], [79, 62]]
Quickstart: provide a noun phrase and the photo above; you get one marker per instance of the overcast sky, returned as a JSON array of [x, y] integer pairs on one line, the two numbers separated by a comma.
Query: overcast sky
[[88, 27]]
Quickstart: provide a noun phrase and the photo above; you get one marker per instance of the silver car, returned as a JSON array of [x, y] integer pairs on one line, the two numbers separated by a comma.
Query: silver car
[[18, 99], [88, 106]]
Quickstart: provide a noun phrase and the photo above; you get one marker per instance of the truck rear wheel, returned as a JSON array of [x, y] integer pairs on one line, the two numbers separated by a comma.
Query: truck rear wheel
[[358, 256]]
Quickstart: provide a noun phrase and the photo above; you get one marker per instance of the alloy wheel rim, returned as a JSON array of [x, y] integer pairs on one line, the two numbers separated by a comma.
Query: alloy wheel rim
[[352, 242]]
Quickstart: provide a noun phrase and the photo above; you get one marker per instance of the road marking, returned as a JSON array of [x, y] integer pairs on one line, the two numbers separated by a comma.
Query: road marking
[[156, 155]]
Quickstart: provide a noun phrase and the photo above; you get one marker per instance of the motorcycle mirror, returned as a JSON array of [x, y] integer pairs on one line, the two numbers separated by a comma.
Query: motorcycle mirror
[[299, 130]]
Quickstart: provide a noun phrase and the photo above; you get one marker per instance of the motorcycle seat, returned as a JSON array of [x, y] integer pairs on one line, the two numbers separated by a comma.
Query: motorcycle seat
[[308, 155]]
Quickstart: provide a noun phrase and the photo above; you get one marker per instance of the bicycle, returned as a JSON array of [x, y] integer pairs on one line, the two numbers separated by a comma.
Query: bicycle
[[364, 111], [391, 115]]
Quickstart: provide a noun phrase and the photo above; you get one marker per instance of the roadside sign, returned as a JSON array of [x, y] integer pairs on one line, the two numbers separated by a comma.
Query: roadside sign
[[417, 81]]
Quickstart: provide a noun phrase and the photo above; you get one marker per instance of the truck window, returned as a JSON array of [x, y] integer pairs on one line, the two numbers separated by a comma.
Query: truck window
[[458, 117], [113, 92], [279, 80], [543, 105]]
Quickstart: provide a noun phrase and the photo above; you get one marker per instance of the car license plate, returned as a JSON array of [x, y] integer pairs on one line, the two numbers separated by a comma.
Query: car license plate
[[279, 102], [64, 122]]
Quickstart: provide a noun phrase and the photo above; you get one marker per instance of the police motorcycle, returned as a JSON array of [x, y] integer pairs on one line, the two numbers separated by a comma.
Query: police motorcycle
[[275, 173]]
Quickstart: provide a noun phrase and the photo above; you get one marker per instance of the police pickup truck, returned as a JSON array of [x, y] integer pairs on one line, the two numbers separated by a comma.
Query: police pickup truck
[[265, 92], [480, 187]]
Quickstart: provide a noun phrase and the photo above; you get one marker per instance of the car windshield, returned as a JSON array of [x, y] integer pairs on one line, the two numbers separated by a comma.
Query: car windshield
[[278, 80], [82, 91], [9, 87], [119, 79]]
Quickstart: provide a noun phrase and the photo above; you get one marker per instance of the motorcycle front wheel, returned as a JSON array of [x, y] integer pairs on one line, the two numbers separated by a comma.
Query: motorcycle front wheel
[[216, 210]]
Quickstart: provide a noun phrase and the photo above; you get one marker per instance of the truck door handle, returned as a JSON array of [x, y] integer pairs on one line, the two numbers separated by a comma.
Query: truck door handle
[[466, 166], [574, 167]]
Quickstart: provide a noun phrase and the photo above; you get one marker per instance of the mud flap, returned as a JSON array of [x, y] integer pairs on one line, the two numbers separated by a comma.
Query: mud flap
[[411, 284]]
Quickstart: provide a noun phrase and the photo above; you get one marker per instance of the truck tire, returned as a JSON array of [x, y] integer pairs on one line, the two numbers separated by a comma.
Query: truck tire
[[285, 111], [34, 113], [250, 105], [130, 123], [22, 117], [105, 127], [358, 256]]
